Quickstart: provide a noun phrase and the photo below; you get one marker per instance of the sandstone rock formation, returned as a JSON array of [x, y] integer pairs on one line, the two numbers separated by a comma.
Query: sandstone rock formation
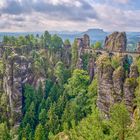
[[17, 73], [129, 90], [138, 47], [115, 85], [117, 41], [83, 42], [118, 81], [91, 67], [134, 73], [105, 88]]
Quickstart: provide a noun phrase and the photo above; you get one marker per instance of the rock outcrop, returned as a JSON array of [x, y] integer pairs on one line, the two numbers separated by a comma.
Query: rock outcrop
[[17, 73], [134, 73], [83, 42], [117, 41], [116, 85], [91, 68], [105, 87], [138, 47], [129, 90], [118, 81]]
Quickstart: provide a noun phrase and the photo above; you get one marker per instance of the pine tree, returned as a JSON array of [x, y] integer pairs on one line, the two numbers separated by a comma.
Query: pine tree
[[43, 116], [74, 54], [39, 133], [119, 121]]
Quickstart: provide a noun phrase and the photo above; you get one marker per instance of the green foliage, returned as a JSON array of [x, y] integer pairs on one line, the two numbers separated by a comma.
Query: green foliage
[[92, 92], [103, 61], [138, 63], [75, 81], [59, 73], [29, 96], [119, 122], [67, 42], [43, 116], [85, 60], [47, 39], [65, 107], [115, 61], [39, 133], [53, 121], [4, 132], [97, 45], [89, 128], [56, 42], [74, 54], [4, 109]]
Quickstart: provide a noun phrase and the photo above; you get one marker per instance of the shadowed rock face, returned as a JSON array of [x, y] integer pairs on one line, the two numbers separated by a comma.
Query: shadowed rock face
[[18, 72], [117, 41]]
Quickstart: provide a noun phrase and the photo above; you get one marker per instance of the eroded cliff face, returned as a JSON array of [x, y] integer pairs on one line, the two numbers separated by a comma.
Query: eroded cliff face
[[129, 88], [17, 73], [117, 41], [118, 81], [115, 85], [105, 88]]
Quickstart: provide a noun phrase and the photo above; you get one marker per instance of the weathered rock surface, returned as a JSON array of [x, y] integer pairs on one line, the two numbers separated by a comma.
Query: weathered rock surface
[[105, 88], [138, 47], [115, 85], [118, 81], [134, 71], [129, 90], [17, 73], [91, 67], [117, 41]]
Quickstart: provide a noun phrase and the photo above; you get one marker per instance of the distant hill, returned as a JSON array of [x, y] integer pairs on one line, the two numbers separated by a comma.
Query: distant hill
[[95, 35]]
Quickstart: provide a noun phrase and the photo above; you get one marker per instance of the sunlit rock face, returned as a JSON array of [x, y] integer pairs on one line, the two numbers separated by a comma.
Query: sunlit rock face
[[117, 41]]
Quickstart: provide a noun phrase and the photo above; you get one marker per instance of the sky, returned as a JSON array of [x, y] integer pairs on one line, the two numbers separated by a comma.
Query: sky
[[71, 15]]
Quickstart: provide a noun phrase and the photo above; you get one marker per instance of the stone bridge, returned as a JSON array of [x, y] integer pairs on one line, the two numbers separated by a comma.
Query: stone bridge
[[134, 55]]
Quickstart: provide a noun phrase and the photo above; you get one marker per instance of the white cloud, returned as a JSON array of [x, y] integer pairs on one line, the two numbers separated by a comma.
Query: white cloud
[[121, 1], [112, 18], [67, 15]]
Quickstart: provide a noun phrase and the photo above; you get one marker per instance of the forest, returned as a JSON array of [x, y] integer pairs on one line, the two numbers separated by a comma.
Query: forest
[[63, 104]]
